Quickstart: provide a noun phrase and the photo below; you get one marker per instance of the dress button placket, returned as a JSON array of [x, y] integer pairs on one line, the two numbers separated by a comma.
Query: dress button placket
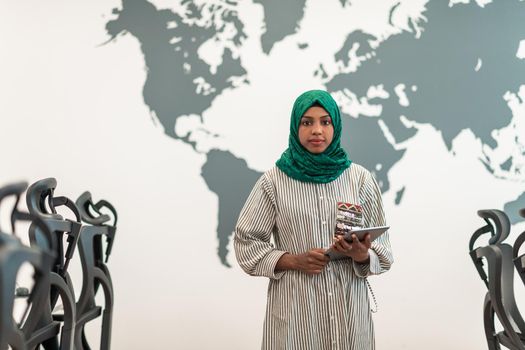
[[329, 280], [331, 310]]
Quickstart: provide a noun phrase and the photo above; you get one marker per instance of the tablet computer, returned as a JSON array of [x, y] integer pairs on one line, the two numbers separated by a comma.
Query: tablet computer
[[362, 231]]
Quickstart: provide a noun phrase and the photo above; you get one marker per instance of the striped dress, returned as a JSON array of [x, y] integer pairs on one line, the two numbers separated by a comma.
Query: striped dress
[[326, 311]]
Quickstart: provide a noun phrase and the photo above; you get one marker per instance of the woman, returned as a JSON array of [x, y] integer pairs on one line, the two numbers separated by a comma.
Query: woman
[[313, 303]]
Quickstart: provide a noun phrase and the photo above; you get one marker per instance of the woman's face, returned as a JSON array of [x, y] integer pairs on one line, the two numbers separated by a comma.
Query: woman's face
[[316, 130]]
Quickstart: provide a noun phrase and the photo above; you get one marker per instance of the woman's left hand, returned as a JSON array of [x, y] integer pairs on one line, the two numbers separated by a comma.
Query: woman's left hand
[[357, 250]]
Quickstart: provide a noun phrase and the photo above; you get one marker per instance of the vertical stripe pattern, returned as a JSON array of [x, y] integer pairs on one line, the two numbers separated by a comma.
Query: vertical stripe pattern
[[326, 311]]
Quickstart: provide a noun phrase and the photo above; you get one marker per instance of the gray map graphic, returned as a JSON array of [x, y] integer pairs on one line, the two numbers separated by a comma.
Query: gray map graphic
[[455, 75], [169, 42], [282, 19]]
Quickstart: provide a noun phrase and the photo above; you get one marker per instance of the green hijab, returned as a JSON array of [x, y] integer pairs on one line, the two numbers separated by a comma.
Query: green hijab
[[297, 162]]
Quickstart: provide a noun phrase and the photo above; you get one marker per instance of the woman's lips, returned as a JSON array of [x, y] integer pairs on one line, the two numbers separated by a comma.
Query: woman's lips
[[316, 142]]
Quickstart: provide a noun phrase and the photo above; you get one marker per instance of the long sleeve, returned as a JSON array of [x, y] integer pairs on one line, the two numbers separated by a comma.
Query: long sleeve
[[380, 253], [255, 254]]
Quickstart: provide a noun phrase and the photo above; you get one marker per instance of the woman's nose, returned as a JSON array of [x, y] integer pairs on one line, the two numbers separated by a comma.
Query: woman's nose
[[317, 130]]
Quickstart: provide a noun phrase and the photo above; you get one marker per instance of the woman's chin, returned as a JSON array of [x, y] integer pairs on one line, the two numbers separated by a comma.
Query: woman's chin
[[316, 150]]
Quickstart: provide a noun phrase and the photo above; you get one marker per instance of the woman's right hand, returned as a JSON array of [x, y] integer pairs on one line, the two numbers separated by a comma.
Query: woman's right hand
[[311, 262]]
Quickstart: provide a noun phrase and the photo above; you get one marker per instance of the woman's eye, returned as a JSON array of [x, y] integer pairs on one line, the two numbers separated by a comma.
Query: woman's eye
[[327, 122], [305, 122]]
